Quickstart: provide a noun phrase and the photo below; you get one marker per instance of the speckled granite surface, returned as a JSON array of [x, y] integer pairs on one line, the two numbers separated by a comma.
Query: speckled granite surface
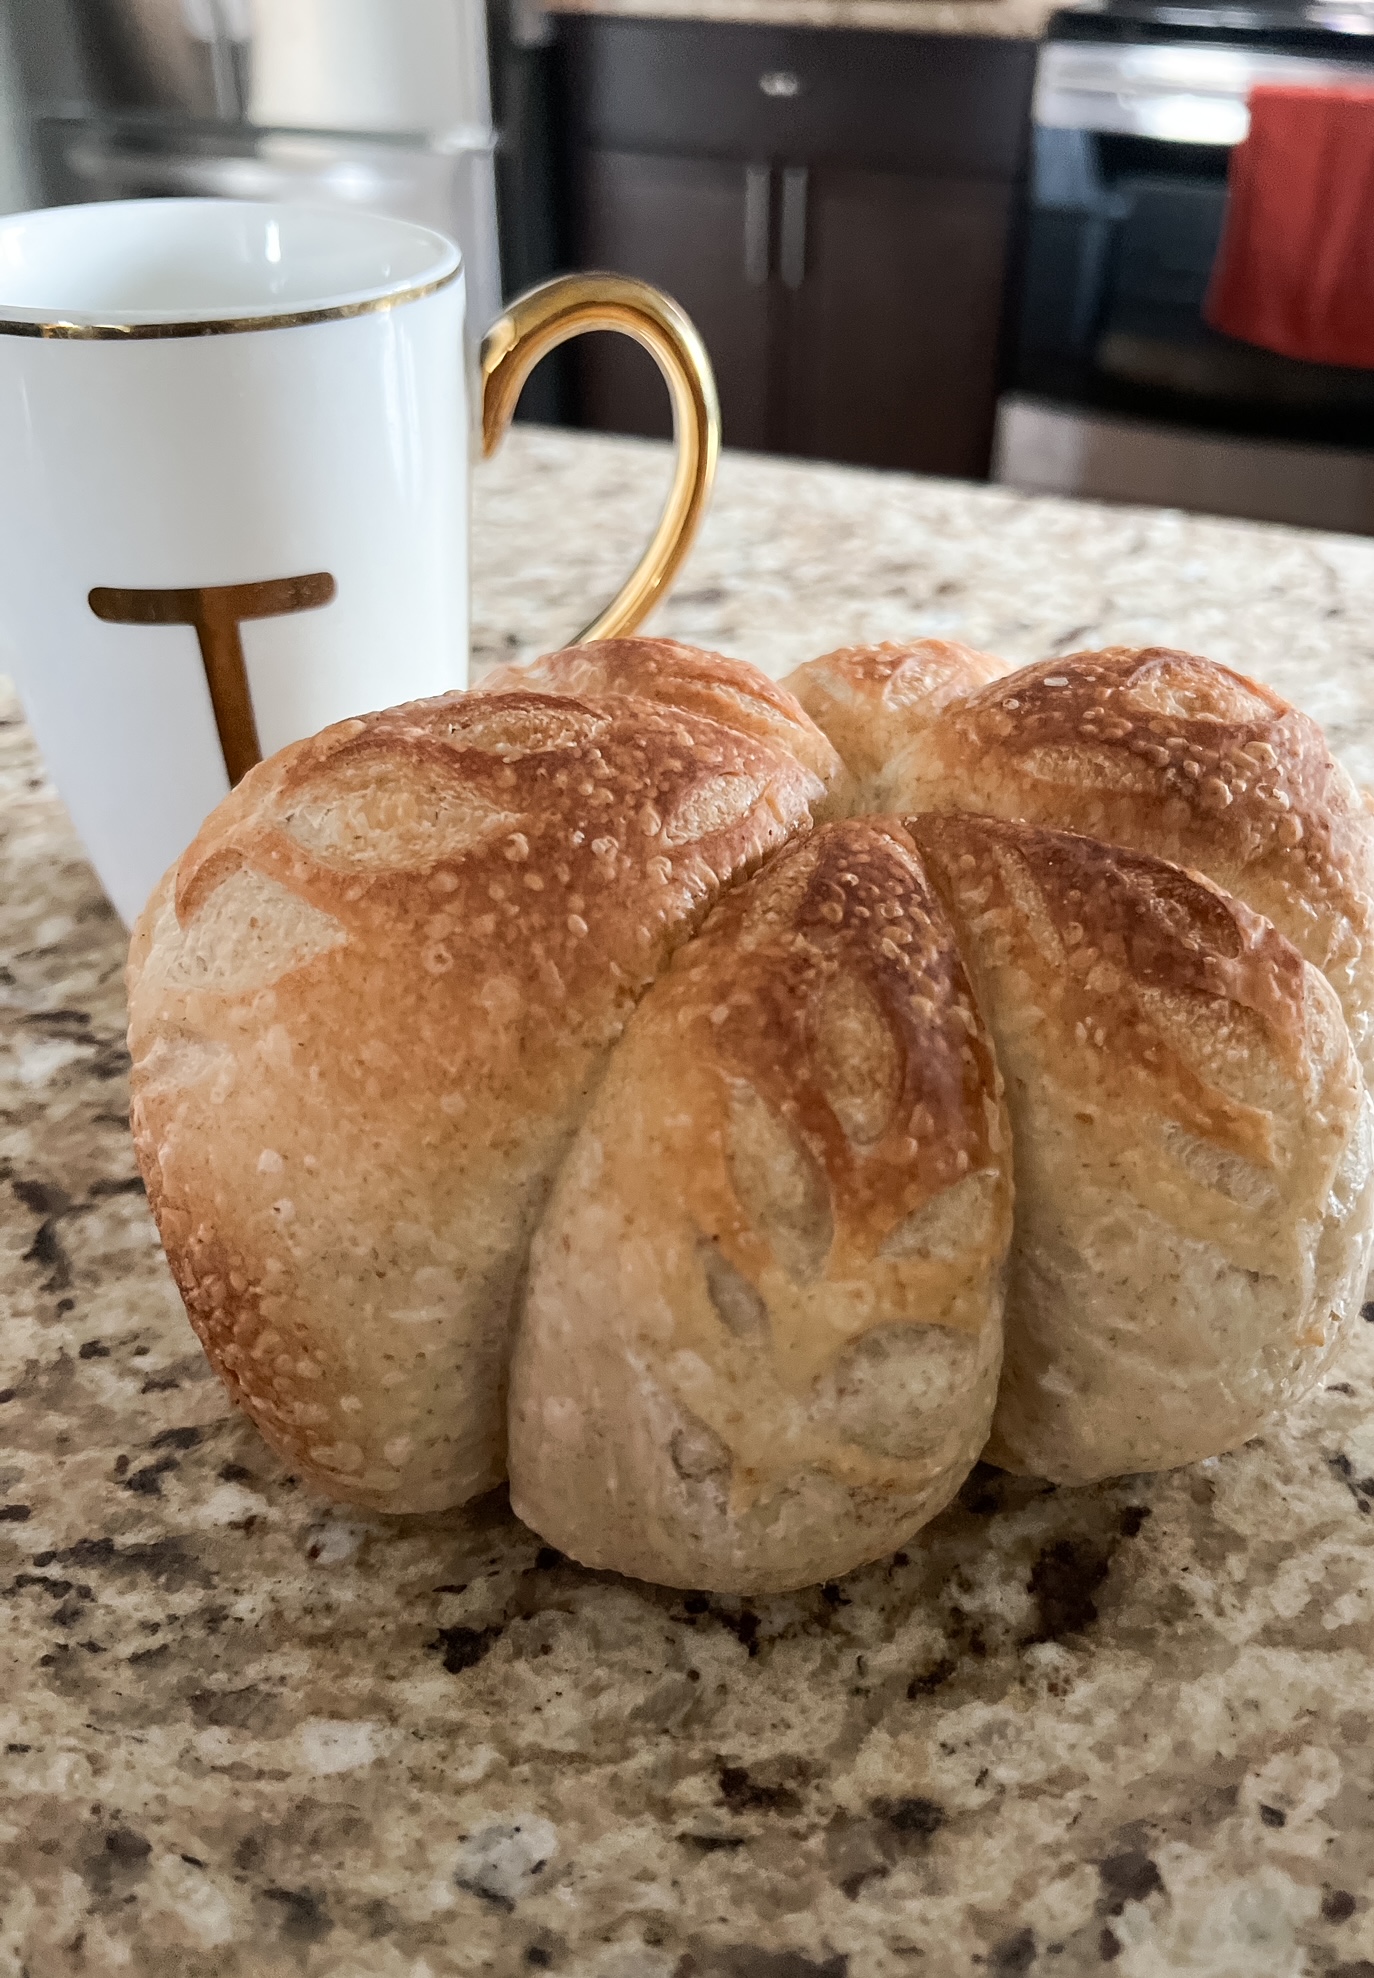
[[1128, 1728], [1018, 20]]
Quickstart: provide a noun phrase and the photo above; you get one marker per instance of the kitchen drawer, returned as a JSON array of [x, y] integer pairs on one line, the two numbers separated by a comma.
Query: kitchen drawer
[[941, 104]]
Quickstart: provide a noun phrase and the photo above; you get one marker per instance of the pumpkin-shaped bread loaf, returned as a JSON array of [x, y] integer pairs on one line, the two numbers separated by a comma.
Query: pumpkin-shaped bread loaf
[[608, 1080]]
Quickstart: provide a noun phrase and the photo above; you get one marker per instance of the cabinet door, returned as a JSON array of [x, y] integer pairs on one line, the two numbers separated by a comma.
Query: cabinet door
[[697, 228], [895, 288]]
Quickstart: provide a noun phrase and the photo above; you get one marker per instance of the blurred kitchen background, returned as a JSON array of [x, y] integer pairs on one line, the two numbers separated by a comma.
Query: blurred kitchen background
[[962, 237]]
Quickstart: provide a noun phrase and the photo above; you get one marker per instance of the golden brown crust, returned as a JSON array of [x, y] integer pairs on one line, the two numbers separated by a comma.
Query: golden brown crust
[[1107, 937], [379, 1011], [832, 989], [1176, 756], [1184, 1101], [872, 701], [671, 674], [366, 1024], [762, 1193]]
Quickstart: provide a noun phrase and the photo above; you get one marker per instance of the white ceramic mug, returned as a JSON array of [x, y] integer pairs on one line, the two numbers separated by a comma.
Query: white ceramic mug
[[233, 505]]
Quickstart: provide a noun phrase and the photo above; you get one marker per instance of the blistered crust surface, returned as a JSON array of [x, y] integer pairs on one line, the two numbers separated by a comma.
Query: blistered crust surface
[[875, 701], [366, 1011], [762, 1330], [1171, 754], [1192, 1150], [671, 674]]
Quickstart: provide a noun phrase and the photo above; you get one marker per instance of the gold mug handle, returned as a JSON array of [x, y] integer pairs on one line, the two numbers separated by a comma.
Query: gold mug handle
[[544, 317]]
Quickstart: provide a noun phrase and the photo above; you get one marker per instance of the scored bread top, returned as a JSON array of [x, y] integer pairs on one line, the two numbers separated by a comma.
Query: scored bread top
[[366, 1012], [762, 1327], [1191, 1149], [1174, 755], [1166, 993], [872, 700], [850, 1077], [671, 674]]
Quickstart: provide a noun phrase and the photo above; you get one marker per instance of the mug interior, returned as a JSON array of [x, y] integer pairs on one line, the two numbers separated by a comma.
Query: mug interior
[[131, 261]]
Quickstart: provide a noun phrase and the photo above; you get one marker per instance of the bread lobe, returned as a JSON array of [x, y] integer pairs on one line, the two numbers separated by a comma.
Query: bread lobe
[[350, 1093], [1193, 1153], [875, 701], [761, 1334]]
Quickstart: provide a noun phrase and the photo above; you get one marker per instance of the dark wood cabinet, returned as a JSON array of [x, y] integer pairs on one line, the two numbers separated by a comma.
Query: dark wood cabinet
[[893, 351], [681, 223], [835, 211]]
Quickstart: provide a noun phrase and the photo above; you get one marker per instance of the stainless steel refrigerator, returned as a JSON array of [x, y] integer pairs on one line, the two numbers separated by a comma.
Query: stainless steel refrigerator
[[380, 104]]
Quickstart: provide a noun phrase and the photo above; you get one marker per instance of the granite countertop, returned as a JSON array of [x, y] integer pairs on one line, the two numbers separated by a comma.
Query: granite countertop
[[247, 1734], [1016, 20]]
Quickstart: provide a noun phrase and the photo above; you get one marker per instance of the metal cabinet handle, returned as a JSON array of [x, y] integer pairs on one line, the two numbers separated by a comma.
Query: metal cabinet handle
[[758, 200], [792, 233]]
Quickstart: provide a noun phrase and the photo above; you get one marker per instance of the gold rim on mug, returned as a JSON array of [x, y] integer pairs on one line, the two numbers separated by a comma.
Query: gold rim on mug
[[227, 325]]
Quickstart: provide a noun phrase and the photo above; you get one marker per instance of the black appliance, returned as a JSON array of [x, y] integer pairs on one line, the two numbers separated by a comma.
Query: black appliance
[[1118, 385]]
